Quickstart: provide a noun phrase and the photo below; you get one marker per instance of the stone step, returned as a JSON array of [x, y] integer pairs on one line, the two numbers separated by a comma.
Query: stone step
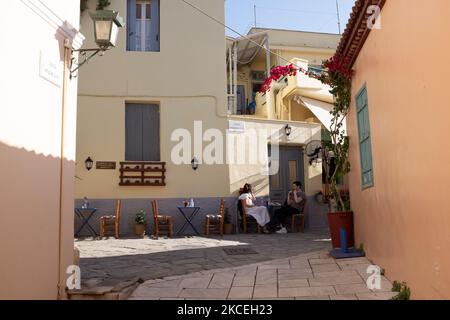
[[97, 289]]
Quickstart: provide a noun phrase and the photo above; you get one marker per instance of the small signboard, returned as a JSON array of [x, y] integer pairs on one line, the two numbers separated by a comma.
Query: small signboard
[[106, 165], [50, 69], [236, 126]]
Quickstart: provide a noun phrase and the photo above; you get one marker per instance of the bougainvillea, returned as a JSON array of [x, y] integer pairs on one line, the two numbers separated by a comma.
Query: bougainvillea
[[276, 74], [334, 66]]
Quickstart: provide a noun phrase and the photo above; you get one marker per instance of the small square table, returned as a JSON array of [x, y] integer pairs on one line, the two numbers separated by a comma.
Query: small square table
[[85, 214], [189, 218]]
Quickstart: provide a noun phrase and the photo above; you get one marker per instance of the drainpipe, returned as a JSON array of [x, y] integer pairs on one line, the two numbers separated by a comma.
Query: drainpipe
[[66, 72]]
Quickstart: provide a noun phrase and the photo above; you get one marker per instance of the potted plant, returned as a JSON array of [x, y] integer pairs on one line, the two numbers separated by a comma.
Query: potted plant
[[140, 224], [338, 75], [228, 227]]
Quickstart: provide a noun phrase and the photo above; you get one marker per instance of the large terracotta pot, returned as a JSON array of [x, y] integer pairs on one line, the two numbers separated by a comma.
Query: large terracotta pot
[[337, 221]]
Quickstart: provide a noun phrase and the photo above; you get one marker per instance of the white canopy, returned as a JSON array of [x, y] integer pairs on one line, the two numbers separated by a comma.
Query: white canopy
[[321, 110]]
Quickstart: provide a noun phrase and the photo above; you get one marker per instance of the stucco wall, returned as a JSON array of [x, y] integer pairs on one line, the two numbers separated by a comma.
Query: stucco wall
[[404, 220], [37, 150], [187, 78]]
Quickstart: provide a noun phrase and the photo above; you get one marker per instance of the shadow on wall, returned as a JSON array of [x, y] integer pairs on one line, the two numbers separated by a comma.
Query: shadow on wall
[[29, 223]]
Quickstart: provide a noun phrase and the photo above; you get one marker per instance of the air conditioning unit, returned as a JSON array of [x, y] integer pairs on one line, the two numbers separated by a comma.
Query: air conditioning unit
[[259, 76]]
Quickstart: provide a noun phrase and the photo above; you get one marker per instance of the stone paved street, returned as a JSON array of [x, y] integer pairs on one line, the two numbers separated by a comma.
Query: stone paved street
[[305, 276], [292, 266], [151, 259]]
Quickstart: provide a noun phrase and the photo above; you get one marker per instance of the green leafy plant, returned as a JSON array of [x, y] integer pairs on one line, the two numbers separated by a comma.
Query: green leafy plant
[[140, 218], [83, 5], [361, 248], [404, 292], [338, 75], [227, 217], [102, 4]]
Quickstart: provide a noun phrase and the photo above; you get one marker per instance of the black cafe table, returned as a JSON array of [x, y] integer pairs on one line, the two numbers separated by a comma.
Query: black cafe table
[[188, 214], [85, 214]]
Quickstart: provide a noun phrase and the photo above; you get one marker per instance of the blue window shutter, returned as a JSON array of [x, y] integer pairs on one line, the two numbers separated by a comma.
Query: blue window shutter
[[155, 26], [150, 132], [133, 132], [131, 25], [365, 145]]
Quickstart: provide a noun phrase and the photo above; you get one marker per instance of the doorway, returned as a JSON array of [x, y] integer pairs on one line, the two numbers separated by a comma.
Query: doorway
[[291, 168]]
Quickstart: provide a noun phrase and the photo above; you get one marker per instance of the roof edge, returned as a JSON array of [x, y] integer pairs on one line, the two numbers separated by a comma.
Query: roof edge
[[357, 30]]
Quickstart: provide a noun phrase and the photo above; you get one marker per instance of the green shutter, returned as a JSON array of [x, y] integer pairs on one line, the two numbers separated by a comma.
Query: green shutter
[[365, 145]]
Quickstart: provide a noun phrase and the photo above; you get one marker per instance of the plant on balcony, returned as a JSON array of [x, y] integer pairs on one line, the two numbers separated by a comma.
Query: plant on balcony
[[278, 73]]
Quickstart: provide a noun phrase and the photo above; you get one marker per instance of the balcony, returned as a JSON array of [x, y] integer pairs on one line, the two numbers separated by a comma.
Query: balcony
[[148, 174]]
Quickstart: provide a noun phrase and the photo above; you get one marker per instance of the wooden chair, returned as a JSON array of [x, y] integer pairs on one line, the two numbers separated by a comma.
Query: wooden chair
[[248, 220], [111, 221], [161, 222], [214, 223], [298, 220]]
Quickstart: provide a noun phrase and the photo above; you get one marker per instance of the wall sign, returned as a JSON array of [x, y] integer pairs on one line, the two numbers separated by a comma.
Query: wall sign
[[236, 126], [105, 165], [50, 69]]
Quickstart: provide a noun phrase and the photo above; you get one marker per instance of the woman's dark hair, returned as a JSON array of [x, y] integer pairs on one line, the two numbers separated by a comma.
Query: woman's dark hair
[[247, 188]]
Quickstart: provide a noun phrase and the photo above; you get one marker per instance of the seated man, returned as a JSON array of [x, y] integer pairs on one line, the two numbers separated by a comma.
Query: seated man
[[293, 205]]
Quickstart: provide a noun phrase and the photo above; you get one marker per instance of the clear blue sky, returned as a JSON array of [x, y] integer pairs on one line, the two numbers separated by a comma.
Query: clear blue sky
[[305, 15]]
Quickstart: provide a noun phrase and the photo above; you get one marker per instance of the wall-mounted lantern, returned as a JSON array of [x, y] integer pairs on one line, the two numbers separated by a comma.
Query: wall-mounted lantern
[[106, 27], [89, 163], [106, 31], [288, 130], [195, 164]]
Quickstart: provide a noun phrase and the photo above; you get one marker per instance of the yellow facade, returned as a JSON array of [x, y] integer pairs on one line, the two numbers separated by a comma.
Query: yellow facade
[[188, 81]]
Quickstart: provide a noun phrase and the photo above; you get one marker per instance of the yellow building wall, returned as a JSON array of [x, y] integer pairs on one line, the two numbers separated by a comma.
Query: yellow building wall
[[403, 221], [37, 149], [187, 78]]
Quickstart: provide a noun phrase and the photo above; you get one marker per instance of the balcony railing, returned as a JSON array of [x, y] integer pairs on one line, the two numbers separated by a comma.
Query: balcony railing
[[147, 174]]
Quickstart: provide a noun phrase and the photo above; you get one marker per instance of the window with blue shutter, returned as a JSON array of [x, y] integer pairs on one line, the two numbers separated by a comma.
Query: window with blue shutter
[[365, 145], [142, 141], [143, 25]]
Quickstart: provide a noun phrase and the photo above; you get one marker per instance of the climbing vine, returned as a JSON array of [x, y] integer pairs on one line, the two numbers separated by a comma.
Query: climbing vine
[[338, 75]]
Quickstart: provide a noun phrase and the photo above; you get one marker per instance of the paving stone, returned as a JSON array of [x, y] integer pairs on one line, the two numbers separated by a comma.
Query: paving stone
[[336, 280], [146, 292], [344, 297], [321, 261], [306, 292], [221, 280], [351, 288], [376, 295], [265, 291], [293, 283], [313, 298], [348, 273], [243, 281], [241, 293], [196, 283], [325, 267], [204, 293]]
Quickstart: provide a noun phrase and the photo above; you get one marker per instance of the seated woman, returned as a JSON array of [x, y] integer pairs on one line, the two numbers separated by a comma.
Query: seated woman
[[260, 213]]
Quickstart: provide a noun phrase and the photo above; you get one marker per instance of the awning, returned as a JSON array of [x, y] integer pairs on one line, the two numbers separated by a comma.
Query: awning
[[247, 50], [320, 109]]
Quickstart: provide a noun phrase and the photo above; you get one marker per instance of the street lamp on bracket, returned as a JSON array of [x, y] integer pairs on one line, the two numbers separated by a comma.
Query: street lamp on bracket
[[106, 30]]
